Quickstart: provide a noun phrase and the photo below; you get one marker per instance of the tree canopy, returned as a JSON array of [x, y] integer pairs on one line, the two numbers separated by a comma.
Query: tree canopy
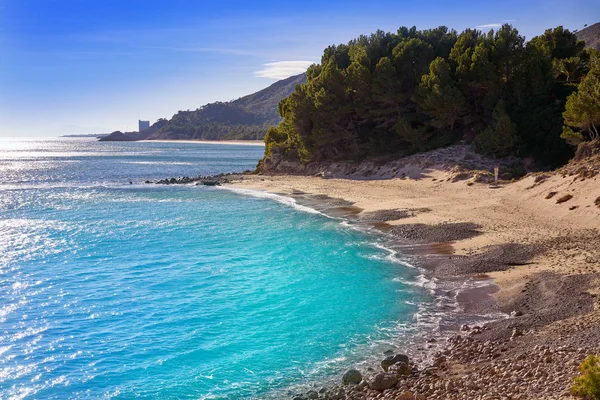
[[414, 90]]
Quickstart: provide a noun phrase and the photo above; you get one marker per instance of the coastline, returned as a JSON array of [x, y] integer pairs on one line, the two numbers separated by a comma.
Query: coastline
[[542, 257], [228, 142]]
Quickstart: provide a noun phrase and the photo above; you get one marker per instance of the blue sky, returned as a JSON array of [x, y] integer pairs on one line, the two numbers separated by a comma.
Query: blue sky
[[88, 66]]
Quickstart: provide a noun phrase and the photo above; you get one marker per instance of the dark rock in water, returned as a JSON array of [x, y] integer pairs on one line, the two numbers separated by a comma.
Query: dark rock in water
[[311, 394], [382, 381], [211, 183], [352, 376], [391, 360]]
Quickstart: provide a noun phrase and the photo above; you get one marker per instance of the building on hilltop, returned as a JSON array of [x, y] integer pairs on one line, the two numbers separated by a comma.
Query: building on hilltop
[[143, 125]]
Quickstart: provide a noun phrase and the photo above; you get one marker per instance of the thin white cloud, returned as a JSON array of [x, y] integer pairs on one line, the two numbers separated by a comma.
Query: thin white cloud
[[283, 69], [489, 26]]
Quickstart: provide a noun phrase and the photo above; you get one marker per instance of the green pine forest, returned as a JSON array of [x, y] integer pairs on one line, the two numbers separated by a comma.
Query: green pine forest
[[417, 90]]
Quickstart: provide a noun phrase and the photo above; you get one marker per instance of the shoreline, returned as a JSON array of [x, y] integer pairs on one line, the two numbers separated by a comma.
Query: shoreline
[[437, 319], [227, 142], [528, 252]]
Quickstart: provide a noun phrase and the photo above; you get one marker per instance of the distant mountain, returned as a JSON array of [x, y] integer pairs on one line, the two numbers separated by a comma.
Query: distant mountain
[[248, 117], [591, 36]]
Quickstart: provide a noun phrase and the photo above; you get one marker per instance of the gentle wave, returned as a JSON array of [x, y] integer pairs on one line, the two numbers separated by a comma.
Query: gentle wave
[[289, 201], [116, 290]]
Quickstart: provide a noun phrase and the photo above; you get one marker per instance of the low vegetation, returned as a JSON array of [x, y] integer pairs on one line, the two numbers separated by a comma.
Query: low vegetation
[[587, 385]]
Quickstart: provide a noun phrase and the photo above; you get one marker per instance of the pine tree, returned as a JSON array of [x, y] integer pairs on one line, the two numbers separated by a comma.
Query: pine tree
[[582, 110]]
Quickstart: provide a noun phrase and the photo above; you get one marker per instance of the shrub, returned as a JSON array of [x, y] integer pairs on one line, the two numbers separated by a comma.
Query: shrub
[[587, 385]]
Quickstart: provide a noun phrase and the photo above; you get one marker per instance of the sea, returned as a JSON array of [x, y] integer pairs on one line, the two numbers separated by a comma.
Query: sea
[[112, 288]]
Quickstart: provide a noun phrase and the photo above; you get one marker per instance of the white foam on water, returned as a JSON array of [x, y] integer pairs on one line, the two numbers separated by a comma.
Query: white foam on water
[[279, 198]]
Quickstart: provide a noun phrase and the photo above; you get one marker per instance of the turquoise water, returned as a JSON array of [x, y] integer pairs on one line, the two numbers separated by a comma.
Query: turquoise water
[[112, 290]]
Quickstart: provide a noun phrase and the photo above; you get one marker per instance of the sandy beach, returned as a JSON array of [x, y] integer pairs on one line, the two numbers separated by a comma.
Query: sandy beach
[[537, 238]]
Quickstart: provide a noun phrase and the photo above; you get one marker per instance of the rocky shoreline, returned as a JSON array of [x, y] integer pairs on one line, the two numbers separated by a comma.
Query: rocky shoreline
[[512, 358], [554, 318], [206, 180]]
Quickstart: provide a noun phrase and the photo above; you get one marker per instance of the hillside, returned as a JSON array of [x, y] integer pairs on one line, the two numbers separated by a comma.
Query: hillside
[[591, 36], [245, 118]]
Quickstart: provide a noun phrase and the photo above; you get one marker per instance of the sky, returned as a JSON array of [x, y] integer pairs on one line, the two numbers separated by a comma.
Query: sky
[[95, 66]]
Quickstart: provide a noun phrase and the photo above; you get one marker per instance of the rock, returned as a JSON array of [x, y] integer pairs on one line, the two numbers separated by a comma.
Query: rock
[[336, 394], [406, 396], [516, 314], [352, 376], [516, 333], [391, 360], [400, 368], [311, 394], [211, 183], [383, 381]]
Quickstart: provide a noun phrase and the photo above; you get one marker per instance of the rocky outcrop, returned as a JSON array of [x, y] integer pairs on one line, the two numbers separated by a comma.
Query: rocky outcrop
[[382, 381], [352, 376], [393, 359], [118, 136], [214, 180], [460, 162], [587, 149]]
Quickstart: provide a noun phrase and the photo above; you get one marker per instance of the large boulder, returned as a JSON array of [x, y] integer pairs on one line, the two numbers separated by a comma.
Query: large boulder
[[400, 368], [352, 376], [382, 381], [393, 359]]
